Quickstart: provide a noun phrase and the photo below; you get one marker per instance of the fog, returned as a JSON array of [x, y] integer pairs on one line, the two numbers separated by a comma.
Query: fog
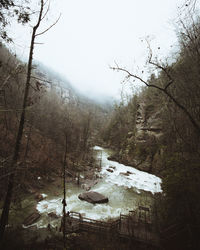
[[92, 35]]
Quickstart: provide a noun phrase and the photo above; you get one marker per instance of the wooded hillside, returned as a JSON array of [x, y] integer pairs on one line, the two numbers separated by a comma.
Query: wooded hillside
[[54, 112], [159, 130]]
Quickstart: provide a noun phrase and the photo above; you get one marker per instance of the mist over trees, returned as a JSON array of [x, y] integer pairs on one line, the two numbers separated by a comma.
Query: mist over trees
[[51, 111], [37, 115], [156, 130]]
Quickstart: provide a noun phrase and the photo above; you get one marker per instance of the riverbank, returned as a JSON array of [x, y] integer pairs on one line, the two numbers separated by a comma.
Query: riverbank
[[126, 188], [136, 162], [40, 188]]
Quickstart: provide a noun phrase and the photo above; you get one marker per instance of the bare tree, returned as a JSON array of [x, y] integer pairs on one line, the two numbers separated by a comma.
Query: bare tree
[[165, 88], [8, 197]]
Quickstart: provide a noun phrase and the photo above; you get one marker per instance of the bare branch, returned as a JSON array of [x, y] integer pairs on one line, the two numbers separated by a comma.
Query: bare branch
[[43, 32], [191, 4], [39, 79], [191, 37], [169, 83], [165, 91], [38, 43], [39, 18], [46, 10], [46, 2], [158, 66], [15, 71], [36, 90], [136, 77]]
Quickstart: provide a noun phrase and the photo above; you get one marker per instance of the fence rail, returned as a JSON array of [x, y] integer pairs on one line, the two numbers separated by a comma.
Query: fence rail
[[125, 227]]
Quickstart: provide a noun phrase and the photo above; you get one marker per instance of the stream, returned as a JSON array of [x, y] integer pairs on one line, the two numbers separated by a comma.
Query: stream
[[125, 187]]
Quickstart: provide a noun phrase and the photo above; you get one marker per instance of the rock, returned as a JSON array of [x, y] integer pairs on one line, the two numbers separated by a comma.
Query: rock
[[89, 184], [93, 197], [44, 195], [128, 172], [39, 197], [123, 173], [112, 167], [45, 206], [53, 215], [85, 186], [109, 170], [31, 219]]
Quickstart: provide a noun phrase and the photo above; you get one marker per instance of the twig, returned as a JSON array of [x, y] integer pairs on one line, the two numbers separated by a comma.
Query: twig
[[137, 77], [39, 79], [41, 33], [46, 10]]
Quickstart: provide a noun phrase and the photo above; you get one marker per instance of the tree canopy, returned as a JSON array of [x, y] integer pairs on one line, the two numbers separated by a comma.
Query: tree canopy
[[10, 9]]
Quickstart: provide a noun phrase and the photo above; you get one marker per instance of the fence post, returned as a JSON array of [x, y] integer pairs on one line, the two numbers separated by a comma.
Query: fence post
[[120, 222]]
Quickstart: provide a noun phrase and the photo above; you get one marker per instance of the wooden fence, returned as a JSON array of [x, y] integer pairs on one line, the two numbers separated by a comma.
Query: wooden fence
[[126, 226]]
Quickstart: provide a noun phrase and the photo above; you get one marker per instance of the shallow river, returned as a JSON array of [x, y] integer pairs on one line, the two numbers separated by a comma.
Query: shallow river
[[125, 192]]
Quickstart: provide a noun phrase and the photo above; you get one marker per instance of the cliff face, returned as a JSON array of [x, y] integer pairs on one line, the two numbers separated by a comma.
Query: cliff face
[[142, 146], [147, 136], [148, 122]]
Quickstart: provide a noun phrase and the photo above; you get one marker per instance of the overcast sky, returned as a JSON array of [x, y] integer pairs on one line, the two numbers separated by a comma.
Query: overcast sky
[[92, 34]]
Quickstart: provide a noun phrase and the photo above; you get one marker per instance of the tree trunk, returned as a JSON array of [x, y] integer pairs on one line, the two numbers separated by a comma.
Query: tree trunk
[[64, 194], [8, 198]]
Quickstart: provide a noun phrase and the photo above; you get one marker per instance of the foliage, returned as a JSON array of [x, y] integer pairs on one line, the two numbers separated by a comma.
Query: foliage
[[120, 127], [52, 113], [176, 154], [10, 9]]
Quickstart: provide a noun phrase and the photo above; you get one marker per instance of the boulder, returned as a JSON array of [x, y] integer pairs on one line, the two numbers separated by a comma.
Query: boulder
[[31, 219], [39, 197], [93, 197], [123, 173], [128, 172], [109, 170], [85, 186], [88, 184]]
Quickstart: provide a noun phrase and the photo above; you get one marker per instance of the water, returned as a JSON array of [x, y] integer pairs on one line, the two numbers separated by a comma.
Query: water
[[125, 193]]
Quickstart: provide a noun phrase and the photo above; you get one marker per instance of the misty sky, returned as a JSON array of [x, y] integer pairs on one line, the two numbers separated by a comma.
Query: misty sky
[[92, 34]]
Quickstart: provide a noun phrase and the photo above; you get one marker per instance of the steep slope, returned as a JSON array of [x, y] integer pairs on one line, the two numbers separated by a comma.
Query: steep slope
[[56, 115]]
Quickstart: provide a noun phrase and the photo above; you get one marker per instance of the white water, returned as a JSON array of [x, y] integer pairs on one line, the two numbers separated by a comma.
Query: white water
[[125, 193], [137, 179]]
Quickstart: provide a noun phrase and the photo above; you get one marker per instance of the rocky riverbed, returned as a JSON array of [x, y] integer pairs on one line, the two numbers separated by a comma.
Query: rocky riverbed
[[124, 186]]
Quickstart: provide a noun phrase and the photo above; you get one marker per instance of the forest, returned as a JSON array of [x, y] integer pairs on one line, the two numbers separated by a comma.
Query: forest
[[48, 131]]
